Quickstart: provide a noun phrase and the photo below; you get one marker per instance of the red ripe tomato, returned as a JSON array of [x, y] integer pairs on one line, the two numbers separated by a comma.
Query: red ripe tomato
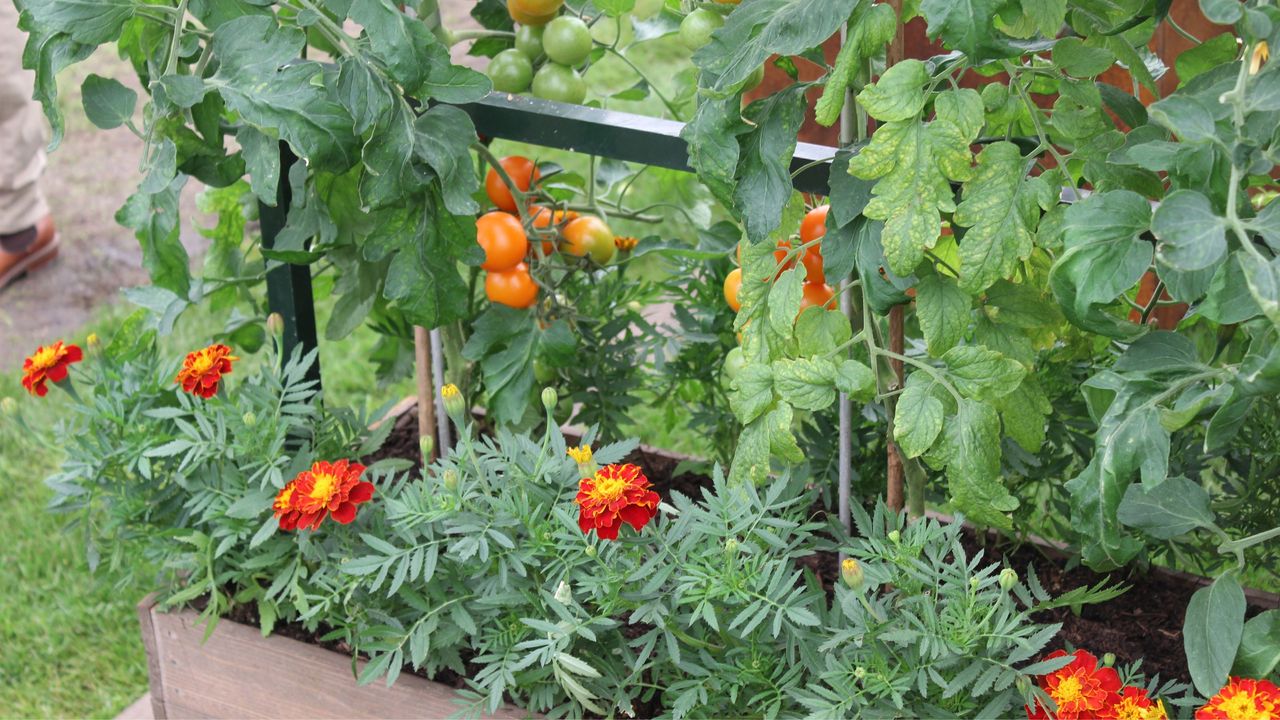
[[513, 288], [522, 172], [732, 284], [817, 294], [814, 224], [503, 239]]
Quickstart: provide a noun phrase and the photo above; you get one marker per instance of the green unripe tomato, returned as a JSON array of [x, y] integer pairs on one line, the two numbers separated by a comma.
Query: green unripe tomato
[[646, 9], [734, 362], [602, 252], [554, 81], [529, 40], [511, 71], [567, 40], [542, 372], [697, 26]]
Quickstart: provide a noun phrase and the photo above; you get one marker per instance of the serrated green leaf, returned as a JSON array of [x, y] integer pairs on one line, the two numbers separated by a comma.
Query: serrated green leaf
[[107, 103], [973, 468], [784, 301], [943, 311], [855, 380], [1024, 412], [805, 383], [898, 94], [1001, 208], [753, 392], [968, 26], [1096, 494], [443, 140], [981, 373], [1191, 235], [917, 420]]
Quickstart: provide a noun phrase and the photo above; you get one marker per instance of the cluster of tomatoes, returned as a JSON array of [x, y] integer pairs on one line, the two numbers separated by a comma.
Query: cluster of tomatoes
[[561, 43], [816, 290], [503, 235]]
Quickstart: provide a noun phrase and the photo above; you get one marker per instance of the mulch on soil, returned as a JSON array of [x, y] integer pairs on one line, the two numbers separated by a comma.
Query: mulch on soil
[[1144, 623]]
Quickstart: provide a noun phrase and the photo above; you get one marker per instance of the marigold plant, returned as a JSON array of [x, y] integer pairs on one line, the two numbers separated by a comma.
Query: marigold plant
[[48, 363], [614, 495], [203, 369], [1243, 699]]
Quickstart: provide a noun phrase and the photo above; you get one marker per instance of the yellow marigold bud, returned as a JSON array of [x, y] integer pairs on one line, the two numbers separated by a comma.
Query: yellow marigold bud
[[453, 402], [93, 341], [859, 672], [852, 573], [1260, 55], [275, 323], [625, 243], [549, 398], [586, 462], [1008, 578], [895, 536]]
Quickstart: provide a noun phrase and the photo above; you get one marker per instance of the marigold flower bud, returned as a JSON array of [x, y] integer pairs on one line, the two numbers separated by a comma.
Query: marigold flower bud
[[450, 479], [549, 398], [974, 583], [1261, 53], [1024, 684], [586, 463], [93, 341], [8, 406], [275, 324], [895, 537], [859, 672], [250, 419], [852, 573], [564, 595], [590, 551], [1109, 659], [453, 402], [1008, 578], [426, 444], [730, 547]]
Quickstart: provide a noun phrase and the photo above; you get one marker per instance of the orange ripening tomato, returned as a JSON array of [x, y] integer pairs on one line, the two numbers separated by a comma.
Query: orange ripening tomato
[[520, 12], [732, 284], [503, 239], [814, 224], [817, 294], [589, 235], [513, 288], [522, 172]]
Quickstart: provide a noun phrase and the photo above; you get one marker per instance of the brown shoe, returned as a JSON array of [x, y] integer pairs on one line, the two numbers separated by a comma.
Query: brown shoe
[[27, 250]]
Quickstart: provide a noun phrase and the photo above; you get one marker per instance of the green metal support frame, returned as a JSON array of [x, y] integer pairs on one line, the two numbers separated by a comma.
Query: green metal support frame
[[289, 286], [577, 128]]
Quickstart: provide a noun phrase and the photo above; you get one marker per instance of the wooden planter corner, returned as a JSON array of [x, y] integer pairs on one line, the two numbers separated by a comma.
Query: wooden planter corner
[[237, 673]]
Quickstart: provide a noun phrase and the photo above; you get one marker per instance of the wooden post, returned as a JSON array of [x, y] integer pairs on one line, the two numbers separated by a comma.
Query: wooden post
[[894, 481], [426, 398]]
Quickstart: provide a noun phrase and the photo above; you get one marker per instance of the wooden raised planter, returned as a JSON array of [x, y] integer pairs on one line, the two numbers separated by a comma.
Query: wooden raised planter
[[237, 673]]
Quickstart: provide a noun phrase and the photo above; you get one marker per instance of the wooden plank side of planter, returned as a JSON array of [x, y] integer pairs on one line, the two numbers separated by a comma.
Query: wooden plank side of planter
[[237, 673]]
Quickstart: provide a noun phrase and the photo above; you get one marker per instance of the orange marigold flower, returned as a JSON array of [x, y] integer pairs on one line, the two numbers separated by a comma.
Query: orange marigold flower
[[616, 494], [1083, 689], [332, 489], [48, 363], [202, 369], [626, 243], [286, 513], [1243, 699], [1135, 704]]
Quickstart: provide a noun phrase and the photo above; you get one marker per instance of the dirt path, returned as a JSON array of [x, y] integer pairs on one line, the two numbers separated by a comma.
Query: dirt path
[[87, 179]]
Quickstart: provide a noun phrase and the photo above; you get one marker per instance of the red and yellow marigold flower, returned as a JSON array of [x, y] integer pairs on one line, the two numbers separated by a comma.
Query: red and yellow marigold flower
[[614, 495], [1083, 689], [203, 369], [625, 243], [327, 489], [48, 363], [1135, 704], [1243, 699], [286, 513]]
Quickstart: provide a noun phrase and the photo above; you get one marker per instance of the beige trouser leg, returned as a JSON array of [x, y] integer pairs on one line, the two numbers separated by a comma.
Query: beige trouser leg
[[22, 132]]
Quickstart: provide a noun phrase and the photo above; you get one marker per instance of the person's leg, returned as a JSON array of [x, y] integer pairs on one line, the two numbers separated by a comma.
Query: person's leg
[[27, 238]]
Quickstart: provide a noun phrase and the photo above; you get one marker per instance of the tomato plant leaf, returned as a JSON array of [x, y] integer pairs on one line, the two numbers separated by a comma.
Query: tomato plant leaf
[[261, 78], [982, 374], [805, 383], [764, 165], [1263, 280], [968, 26], [712, 137], [917, 420], [782, 441], [1191, 235], [1001, 208], [423, 278], [1096, 494], [973, 466], [443, 137], [154, 219], [756, 30], [1078, 58], [753, 392], [751, 456], [1175, 507], [262, 159], [92, 22], [48, 52], [395, 39], [856, 380], [915, 163], [784, 301], [1024, 412], [943, 311], [1211, 633], [107, 103], [899, 93], [820, 331]]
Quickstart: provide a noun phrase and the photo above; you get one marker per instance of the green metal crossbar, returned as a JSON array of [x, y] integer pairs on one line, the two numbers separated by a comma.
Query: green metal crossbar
[[577, 128]]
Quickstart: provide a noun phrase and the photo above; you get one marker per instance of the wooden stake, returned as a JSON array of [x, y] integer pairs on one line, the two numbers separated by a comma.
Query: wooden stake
[[894, 486], [426, 398]]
